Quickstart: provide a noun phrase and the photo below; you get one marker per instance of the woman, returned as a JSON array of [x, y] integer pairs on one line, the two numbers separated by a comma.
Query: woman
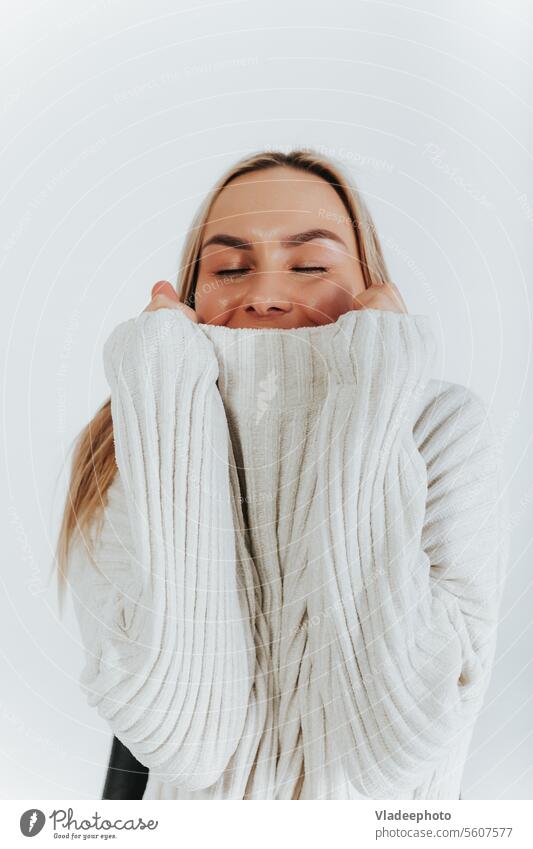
[[289, 588]]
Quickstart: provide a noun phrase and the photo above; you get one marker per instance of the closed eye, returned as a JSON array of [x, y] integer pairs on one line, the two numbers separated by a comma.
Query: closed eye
[[302, 269], [230, 271], [311, 269]]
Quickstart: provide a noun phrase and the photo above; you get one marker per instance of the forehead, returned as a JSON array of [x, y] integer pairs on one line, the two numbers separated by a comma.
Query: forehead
[[275, 202]]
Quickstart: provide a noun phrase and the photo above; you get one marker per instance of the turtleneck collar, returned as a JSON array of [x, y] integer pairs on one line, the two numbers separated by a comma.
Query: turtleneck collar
[[282, 368]]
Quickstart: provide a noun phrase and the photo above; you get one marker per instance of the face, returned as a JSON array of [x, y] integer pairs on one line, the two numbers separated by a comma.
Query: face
[[271, 257]]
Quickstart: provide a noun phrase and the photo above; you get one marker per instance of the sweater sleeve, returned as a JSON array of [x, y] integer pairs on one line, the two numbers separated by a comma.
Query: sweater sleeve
[[164, 609], [407, 594]]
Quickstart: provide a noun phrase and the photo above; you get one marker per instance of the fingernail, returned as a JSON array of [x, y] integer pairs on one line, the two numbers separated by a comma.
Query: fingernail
[[160, 286]]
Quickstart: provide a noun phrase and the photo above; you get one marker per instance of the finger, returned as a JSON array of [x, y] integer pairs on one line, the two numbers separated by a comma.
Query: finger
[[188, 311], [160, 301], [163, 287]]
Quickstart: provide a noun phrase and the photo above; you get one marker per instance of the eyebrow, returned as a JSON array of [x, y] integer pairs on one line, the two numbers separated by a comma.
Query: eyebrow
[[288, 242]]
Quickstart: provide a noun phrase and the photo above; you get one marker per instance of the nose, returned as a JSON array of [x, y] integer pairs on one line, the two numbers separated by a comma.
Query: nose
[[266, 308], [266, 296]]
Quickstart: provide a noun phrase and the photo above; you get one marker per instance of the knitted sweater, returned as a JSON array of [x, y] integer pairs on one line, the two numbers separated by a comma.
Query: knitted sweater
[[295, 583]]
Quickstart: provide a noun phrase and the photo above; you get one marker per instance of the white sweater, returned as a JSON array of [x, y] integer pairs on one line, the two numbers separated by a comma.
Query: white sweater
[[298, 573]]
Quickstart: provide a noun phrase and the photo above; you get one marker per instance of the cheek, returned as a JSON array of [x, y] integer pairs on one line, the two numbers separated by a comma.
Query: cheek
[[212, 297], [328, 296]]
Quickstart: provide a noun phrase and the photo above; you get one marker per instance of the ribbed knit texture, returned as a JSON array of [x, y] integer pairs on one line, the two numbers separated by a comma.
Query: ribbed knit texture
[[297, 579]]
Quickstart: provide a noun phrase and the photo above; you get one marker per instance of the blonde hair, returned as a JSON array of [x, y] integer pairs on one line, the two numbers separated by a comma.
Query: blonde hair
[[93, 462]]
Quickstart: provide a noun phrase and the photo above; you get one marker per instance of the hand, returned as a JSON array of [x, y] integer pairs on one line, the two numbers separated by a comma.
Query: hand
[[164, 297], [380, 297]]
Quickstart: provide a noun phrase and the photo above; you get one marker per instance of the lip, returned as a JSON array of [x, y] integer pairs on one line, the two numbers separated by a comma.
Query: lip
[[261, 322]]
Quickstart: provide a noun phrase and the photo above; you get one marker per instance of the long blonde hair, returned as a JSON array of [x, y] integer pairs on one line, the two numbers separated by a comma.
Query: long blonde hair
[[93, 462]]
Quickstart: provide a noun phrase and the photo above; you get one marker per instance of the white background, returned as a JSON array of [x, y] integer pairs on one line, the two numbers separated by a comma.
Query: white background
[[116, 119]]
